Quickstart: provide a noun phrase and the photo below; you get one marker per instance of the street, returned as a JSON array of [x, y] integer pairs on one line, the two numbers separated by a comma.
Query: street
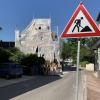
[[44, 88]]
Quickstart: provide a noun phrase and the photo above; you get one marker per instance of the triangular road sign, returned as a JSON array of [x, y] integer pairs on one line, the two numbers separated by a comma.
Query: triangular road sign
[[80, 25]]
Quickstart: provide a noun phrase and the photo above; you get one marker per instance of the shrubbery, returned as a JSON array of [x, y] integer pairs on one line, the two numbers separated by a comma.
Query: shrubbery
[[31, 63], [4, 55], [83, 64]]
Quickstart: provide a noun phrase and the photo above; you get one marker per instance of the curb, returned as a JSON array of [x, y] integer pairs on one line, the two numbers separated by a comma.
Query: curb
[[84, 87]]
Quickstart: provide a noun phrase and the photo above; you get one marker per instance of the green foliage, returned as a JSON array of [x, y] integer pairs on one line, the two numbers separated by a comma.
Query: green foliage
[[83, 64], [69, 50], [4, 55], [33, 64], [10, 55], [16, 55], [41, 60], [32, 59], [13, 50], [16, 58], [29, 60], [86, 52]]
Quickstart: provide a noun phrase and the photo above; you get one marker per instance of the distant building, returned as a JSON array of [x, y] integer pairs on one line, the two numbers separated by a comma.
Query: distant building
[[6, 44], [38, 38]]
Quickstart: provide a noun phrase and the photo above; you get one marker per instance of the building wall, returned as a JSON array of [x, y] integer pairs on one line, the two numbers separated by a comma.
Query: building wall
[[37, 36]]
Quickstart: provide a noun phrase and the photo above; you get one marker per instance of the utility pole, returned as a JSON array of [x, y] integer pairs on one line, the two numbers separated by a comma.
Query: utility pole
[[77, 72]]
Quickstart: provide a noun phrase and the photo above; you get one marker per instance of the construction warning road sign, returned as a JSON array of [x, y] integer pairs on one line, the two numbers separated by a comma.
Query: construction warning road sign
[[80, 25]]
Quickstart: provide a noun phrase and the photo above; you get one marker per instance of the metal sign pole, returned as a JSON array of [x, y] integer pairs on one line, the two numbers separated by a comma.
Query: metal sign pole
[[77, 73]]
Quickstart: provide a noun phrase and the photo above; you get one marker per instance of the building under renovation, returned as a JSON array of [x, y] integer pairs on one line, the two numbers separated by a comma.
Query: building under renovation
[[38, 38]]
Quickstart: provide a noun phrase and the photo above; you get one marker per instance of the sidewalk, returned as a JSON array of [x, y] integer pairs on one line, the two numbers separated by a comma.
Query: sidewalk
[[93, 87]]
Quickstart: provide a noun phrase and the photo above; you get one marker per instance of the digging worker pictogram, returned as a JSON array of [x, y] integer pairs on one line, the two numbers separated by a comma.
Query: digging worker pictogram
[[77, 24]]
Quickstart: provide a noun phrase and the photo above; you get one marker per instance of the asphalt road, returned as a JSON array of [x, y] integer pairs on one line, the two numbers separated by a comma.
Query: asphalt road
[[57, 89], [43, 88]]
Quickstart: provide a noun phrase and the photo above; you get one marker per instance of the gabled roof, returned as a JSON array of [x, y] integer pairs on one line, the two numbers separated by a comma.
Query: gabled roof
[[37, 21], [98, 18]]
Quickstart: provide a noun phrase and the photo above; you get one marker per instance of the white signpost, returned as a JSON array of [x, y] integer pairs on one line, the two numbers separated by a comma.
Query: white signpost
[[80, 25]]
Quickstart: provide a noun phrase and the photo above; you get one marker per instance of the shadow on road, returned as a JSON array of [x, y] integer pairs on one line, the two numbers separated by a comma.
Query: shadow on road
[[14, 90]]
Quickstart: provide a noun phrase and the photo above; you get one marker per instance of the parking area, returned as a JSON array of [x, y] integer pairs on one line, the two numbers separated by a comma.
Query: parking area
[[4, 82]]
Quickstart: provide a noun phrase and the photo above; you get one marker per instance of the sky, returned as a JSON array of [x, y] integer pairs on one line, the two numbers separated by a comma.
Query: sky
[[19, 13]]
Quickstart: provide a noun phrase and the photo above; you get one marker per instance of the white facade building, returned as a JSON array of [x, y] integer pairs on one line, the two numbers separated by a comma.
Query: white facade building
[[38, 38]]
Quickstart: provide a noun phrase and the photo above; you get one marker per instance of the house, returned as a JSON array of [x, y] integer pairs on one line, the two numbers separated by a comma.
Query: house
[[38, 38], [7, 44], [96, 47]]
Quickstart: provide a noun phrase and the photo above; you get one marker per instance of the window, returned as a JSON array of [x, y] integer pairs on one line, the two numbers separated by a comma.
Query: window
[[48, 27]]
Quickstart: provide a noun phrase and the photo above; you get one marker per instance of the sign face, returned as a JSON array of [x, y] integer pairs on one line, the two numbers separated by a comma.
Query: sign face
[[81, 25]]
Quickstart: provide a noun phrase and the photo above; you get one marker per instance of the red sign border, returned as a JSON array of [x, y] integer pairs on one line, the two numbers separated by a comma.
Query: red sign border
[[81, 35]]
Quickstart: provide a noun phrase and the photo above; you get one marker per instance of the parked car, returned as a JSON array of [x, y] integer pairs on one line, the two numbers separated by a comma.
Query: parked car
[[9, 70]]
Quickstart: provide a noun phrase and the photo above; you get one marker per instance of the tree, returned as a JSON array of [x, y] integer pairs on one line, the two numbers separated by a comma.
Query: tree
[[33, 64], [86, 52], [29, 60], [4, 55], [16, 55], [10, 55], [69, 50]]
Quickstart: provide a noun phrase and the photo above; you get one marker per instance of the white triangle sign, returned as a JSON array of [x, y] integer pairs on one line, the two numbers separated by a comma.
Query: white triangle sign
[[80, 25]]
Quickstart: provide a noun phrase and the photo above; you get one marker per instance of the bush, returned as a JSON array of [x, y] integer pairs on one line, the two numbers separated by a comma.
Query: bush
[[4, 55], [83, 64], [29, 60], [10, 55], [34, 64]]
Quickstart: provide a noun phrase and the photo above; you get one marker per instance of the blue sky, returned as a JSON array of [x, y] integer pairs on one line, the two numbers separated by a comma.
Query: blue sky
[[20, 13]]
